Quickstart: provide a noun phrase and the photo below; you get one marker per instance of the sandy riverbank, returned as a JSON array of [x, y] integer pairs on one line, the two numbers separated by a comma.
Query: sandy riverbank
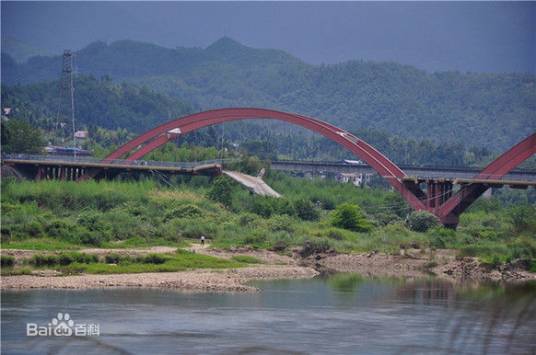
[[412, 264], [229, 280]]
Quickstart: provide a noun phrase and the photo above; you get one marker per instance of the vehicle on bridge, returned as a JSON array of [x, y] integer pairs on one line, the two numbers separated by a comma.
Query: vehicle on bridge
[[67, 151]]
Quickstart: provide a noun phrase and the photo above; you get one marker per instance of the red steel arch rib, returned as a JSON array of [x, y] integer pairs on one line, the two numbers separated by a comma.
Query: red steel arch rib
[[454, 206], [448, 212], [158, 136]]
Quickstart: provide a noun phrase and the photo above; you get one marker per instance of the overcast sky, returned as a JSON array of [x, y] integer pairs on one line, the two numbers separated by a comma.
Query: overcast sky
[[476, 36]]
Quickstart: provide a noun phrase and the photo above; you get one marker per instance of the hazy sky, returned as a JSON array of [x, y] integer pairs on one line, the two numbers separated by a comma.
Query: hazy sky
[[476, 36]]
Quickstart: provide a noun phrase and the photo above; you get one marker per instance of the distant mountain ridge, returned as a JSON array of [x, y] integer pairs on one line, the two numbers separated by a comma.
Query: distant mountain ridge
[[20, 50], [487, 110]]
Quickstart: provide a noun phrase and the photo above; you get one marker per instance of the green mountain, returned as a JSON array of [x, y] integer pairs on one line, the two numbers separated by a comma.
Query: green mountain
[[20, 50], [99, 102], [486, 110]]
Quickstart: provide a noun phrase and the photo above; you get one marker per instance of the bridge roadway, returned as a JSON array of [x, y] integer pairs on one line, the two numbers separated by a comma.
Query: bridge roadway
[[460, 174], [75, 168]]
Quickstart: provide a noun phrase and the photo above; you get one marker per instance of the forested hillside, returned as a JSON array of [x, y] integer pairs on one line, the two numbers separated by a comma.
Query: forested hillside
[[114, 112], [491, 111], [99, 102]]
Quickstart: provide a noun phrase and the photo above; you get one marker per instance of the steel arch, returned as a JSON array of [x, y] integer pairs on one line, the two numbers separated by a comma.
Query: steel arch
[[447, 212], [501, 166], [158, 136]]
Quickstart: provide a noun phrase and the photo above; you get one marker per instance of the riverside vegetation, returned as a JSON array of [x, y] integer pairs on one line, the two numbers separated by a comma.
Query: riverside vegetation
[[314, 216]]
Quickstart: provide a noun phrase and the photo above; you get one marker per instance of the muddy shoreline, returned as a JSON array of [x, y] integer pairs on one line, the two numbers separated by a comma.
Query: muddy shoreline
[[415, 264], [410, 264]]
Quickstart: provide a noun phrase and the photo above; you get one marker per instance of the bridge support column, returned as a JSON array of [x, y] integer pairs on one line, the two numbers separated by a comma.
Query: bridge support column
[[40, 173], [437, 192]]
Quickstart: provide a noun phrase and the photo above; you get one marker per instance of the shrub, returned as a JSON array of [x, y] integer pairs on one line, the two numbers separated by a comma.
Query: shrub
[[154, 259], [314, 246], [84, 258], [92, 238], [184, 211], [283, 206], [524, 249], [522, 217], [81, 258], [44, 260], [328, 204], [279, 241], [7, 260], [255, 240], [262, 206], [421, 221], [349, 216], [281, 223], [91, 220], [247, 220], [65, 259], [112, 258], [384, 218], [335, 234], [305, 210], [58, 228], [221, 191], [195, 228], [279, 245], [441, 237]]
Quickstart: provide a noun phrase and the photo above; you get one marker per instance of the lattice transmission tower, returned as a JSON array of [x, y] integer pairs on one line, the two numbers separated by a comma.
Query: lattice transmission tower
[[65, 119]]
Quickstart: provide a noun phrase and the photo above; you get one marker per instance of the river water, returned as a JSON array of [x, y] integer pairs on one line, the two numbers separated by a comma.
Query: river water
[[342, 314]]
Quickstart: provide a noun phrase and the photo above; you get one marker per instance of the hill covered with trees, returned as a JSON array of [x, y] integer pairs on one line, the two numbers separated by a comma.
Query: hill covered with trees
[[99, 102], [491, 111], [115, 112]]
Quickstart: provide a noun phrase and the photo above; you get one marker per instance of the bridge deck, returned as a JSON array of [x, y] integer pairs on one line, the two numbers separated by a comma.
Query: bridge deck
[[34, 162], [460, 176], [331, 167], [115, 165], [462, 181]]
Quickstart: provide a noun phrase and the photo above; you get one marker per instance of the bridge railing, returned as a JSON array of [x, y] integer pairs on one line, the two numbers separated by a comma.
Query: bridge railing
[[92, 160]]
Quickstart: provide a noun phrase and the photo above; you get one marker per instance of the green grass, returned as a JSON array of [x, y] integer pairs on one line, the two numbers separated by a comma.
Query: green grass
[[40, 244], [182, 260], [12, 271], [54, 215]]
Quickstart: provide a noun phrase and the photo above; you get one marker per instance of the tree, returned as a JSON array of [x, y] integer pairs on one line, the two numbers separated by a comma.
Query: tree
[[305, 210], [522, 217], [20, 137], [221, 191], [421, 221], [350, 216]]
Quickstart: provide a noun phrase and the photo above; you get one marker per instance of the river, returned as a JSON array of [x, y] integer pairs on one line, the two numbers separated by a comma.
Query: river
[[342, 314]]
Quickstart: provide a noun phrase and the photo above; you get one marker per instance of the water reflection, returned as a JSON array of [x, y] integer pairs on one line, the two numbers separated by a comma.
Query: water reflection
[[345, 313], [476, 313]]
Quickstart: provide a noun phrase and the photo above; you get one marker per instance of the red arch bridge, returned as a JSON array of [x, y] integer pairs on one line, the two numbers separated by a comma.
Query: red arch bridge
[[438, 196]]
